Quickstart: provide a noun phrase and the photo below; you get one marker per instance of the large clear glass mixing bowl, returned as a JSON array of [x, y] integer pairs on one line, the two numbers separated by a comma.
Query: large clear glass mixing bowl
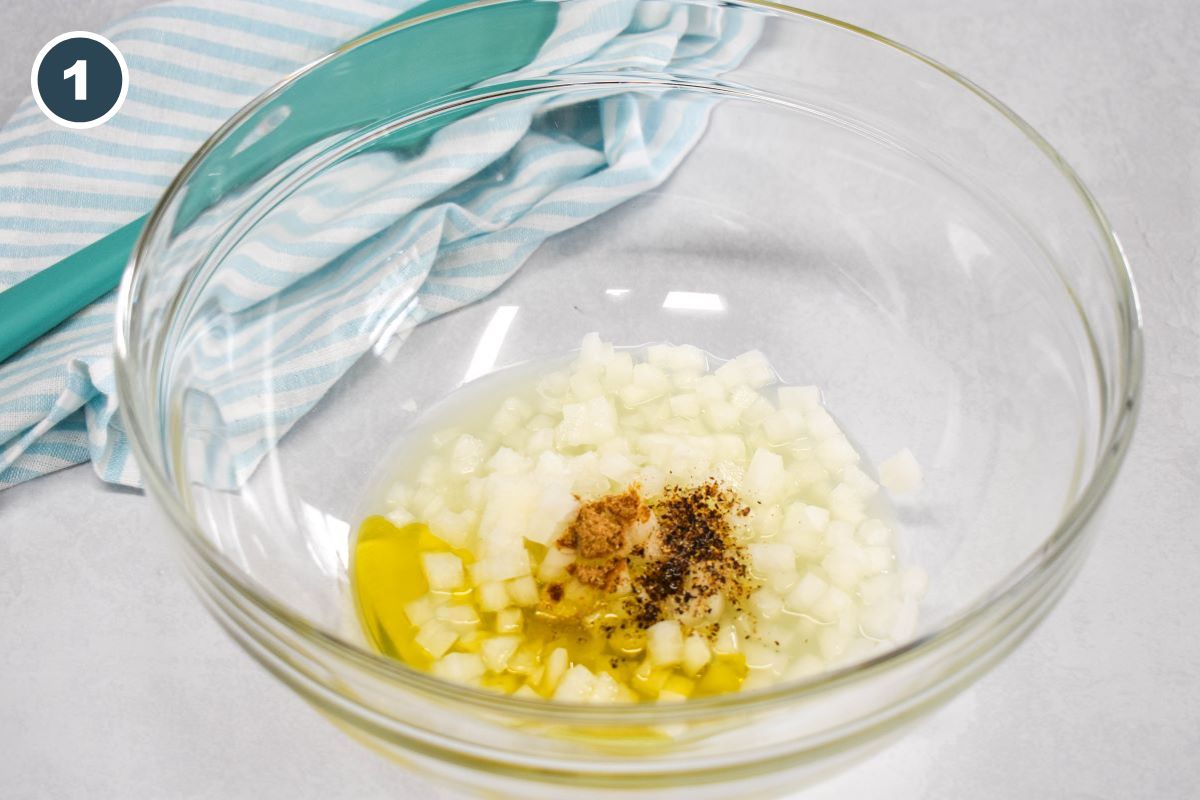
[[351, 248]]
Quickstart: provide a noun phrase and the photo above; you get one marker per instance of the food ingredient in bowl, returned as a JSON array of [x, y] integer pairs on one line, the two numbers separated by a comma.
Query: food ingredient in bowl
[[636, 527], [901, 473]]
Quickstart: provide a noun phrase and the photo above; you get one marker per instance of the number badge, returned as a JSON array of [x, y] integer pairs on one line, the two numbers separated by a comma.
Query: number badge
[[79, 79]]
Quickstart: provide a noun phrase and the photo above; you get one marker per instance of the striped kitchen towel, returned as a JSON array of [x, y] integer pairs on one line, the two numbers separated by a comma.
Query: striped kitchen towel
[[192, 65]]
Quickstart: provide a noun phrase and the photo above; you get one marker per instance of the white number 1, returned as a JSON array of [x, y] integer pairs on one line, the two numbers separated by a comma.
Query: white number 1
[[78, 73]]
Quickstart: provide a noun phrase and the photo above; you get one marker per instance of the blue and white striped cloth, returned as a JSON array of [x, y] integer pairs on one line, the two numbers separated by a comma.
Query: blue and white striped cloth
[[192, 65]]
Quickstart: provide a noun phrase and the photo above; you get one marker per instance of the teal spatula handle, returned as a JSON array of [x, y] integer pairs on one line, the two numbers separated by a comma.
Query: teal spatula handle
[[36, 305]]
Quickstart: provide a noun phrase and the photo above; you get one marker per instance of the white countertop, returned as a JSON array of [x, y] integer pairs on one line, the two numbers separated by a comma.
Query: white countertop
[[114, 682]]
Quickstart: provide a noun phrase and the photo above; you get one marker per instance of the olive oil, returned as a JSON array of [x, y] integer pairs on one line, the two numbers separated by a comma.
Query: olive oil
[[387, 578]]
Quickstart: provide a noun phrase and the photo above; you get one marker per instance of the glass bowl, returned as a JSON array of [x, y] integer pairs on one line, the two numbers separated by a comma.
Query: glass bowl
[[481, 186]]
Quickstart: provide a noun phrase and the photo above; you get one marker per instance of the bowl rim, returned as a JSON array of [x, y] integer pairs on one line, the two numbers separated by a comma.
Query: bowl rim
[[1015, 584]]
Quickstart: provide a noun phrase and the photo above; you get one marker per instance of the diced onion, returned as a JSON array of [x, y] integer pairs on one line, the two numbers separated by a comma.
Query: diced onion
[[901, 473], [664, 643], [443, 571], [829, 587]]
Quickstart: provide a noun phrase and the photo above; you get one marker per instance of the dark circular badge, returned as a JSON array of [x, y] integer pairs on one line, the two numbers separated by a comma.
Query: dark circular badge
[[79, 79]]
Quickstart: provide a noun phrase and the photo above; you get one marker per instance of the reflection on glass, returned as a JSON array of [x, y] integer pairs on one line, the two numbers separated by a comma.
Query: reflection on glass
[[489, 343], [329, 549], [694, 301]]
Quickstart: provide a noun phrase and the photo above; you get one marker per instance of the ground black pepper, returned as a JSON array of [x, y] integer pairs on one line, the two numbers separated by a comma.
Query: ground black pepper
[[697, 557], [685, 562]]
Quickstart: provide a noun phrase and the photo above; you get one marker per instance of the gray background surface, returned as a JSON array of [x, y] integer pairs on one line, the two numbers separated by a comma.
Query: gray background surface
[[115, 683]]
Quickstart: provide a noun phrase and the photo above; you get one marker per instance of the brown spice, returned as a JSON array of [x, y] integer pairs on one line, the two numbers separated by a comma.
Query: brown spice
[[600, 526], [600, 535], [677, 559], [607, 576]]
